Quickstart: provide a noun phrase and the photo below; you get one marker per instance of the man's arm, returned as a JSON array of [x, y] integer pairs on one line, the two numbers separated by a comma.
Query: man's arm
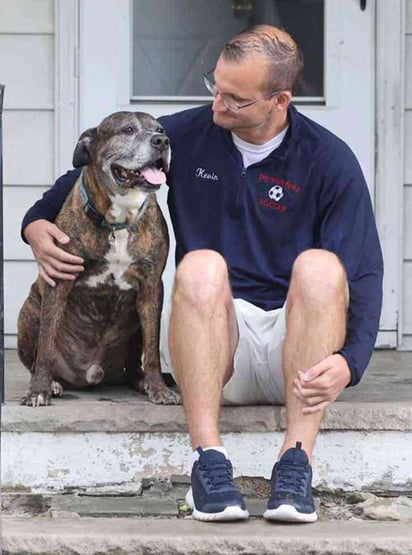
[[41, 234], [347, 228], [51, 202]]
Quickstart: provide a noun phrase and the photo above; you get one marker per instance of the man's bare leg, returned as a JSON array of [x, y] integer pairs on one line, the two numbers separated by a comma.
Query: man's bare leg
[[203, 337], [316, 326]]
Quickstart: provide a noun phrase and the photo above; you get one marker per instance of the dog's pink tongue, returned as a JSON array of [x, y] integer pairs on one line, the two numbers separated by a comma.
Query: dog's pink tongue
[[153, 176]]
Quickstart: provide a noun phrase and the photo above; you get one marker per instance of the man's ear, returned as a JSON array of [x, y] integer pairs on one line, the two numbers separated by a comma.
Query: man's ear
[[283, 100], [81, 155]]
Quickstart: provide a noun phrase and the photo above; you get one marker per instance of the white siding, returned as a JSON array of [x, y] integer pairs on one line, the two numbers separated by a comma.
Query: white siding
[[407, 222], [407, 253], [27, 45], [26, 16], [408, 65], [19, 200], [28, 147], [407, 280], [408, 144], [18, 276], [408, 16], [26, 63]]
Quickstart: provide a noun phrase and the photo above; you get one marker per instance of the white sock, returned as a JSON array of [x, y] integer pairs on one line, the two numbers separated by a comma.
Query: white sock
[[195, 455], [221, 449]]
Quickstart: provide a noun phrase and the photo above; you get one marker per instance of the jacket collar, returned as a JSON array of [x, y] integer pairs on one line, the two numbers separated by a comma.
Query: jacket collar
[[284, 148]]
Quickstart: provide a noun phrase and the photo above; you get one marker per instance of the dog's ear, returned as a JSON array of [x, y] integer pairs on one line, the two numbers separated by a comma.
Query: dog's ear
[[81, 156]]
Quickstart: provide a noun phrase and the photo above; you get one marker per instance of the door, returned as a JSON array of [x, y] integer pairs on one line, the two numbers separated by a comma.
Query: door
[[150, 56]]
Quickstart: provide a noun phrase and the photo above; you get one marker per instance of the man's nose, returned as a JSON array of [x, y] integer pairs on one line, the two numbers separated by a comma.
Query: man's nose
[[218, 104]]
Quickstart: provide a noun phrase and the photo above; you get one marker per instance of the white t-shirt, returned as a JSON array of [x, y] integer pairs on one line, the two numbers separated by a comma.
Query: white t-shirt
[[252, 153]]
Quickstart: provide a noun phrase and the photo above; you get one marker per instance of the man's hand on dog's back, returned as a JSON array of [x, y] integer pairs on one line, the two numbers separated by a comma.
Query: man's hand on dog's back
[[53, 261]]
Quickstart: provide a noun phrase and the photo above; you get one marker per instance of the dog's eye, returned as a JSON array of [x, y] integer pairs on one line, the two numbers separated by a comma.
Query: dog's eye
[[159, 130], [128, 130]]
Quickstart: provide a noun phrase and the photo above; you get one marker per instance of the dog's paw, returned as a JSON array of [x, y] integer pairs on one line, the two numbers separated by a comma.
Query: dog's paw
[[41, 399], [137, 384], [162, 395], [57, 389]]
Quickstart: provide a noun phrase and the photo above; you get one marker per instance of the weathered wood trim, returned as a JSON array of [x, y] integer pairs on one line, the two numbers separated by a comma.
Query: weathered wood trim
[[390, 102], [66, 82]]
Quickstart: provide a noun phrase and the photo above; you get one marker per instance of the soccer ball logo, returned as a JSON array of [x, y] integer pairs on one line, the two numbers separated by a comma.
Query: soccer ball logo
[[276, 193]]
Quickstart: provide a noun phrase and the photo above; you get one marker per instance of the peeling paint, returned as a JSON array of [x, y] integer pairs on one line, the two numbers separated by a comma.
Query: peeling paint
[[58, 473], [348, 460]]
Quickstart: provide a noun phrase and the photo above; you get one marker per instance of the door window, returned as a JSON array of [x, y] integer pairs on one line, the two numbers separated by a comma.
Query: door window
[[174, 42]]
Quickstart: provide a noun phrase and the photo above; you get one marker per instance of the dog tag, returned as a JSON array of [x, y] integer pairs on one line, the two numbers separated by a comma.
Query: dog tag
[[112, 237]]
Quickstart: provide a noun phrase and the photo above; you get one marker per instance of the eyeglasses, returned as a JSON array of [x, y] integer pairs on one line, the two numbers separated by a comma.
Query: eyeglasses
[[227, 99]]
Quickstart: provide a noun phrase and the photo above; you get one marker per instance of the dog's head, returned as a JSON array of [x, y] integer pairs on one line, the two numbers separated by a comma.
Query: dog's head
[[128, 150]]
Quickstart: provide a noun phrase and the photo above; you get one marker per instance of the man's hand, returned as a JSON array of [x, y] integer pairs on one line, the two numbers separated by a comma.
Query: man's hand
[[321, 384], [53, 261]]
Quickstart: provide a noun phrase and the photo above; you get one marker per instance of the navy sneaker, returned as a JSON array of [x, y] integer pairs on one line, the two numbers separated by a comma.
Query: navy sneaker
[[291, 499], [213, 495]]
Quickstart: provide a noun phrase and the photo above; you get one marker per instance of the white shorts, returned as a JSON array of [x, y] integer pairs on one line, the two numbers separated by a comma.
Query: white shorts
[[257, 375]]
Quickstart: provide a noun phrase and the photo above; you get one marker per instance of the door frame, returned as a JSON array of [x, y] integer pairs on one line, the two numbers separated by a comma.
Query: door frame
[[66, 82], [389, 121], [389, 159]]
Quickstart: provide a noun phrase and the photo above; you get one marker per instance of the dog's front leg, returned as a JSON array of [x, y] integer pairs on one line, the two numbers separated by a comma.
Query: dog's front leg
[[52, 310], [149, 306]]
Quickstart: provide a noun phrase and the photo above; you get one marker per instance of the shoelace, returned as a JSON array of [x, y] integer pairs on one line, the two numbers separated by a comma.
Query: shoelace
[[292, 477], [218, 473]]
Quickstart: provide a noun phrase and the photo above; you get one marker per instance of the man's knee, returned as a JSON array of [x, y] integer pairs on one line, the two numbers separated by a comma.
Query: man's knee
[[201, 278], [319, 275]]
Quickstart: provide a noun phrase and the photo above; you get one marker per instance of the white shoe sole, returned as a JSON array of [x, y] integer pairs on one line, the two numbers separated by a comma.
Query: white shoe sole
[[234, 512], [288, 513]]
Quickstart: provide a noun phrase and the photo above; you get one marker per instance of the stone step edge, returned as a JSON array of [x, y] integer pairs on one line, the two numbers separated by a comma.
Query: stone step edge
[[140, 416], [184, 536]]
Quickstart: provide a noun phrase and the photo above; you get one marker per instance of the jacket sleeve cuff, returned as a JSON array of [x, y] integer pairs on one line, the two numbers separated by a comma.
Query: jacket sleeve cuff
[[354, 377]]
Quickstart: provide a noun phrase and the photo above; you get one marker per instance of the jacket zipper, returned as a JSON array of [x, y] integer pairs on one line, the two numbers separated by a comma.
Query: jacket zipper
[[239, 195]]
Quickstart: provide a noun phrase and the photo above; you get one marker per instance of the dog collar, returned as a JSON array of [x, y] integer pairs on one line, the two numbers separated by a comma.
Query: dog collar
[[91, 211]]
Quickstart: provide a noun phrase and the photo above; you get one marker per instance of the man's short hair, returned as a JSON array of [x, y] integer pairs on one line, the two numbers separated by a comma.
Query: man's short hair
[[283, 54]]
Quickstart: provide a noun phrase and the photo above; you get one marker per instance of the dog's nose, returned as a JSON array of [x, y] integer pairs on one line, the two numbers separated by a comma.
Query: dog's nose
[[160, 141]]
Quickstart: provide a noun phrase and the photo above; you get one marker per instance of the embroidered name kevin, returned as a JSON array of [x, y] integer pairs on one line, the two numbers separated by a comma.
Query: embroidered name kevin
[[203, 174]]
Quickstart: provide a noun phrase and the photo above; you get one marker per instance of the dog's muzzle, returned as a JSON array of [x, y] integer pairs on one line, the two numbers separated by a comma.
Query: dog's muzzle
[[152, 175]]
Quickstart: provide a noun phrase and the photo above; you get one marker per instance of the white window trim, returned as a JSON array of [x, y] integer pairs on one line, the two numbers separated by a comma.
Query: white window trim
[[389, 166], [66, 98]]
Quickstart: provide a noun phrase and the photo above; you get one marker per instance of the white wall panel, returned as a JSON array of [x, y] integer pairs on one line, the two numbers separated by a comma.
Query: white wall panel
[[408, 146], [407, 227], [406, 343], [408, 66], [407, 224], [409, 16], [28, 148], [27, 16], [407, 293], [10, 342], [16, 201], [27, 70], [18, 277]]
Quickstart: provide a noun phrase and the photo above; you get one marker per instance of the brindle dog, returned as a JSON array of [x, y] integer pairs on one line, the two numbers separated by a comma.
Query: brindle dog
[[105, 324]]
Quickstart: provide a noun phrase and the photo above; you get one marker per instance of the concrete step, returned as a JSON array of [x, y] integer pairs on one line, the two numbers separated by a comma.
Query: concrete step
[[113, 435], [119, 536], [154, 518]]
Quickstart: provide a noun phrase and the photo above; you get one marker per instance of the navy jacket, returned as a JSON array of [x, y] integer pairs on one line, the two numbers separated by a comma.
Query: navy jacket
[[308, 193]]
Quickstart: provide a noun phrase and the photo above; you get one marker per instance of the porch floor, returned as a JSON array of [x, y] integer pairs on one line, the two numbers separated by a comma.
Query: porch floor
[[382, 401]]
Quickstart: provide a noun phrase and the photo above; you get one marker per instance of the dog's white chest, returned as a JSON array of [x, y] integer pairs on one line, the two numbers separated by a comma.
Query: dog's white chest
[[118, 260]]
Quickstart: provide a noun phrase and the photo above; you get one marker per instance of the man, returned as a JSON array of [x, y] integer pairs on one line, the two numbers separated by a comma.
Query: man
[[278, 286]]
